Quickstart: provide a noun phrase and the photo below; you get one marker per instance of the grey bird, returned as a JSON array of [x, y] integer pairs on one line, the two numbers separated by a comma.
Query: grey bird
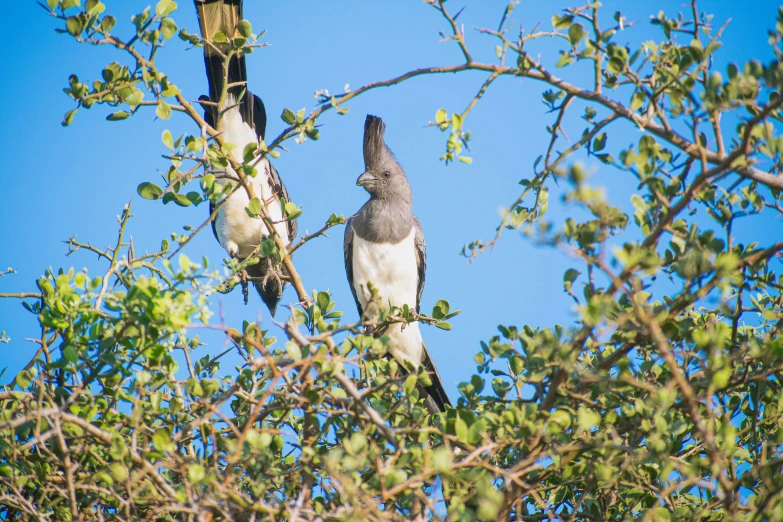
[[243, 123], [384, 245]]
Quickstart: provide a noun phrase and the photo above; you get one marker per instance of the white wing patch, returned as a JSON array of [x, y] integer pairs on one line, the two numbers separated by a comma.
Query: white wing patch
[[237, 232], [393, 271]]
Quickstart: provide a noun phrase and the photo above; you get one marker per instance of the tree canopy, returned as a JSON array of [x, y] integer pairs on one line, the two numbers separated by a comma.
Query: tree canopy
[[660, 401]]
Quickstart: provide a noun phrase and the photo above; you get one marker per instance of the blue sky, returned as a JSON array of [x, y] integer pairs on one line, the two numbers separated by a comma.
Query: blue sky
[[64, 181]]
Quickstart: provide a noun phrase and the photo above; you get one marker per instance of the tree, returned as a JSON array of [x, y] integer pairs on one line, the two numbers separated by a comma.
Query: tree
[[662, 402]]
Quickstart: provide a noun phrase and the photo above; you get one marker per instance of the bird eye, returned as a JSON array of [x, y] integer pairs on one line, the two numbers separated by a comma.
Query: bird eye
[[386, 174]]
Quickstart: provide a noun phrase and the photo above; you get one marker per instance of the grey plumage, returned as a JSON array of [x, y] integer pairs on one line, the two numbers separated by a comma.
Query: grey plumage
[[384, 244]]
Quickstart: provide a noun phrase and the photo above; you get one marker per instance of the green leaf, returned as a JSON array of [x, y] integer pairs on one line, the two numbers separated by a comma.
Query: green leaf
[[565, 59], [168, 139], [108, 23], [575, 34], [118, 116], [245, 29], [443, 325], [196, 473], [74, 25], [149, 191], [163, 111], [440, 116], [291, 211], [165, 8], [293, 350], [561, 418], [68, 118], [441, 309], [562, 22], [94, 7], [254, 207], [288, 116], [70, 354], [168, 28], [461, 430], [599, 142], [588, 419], [569, 277]]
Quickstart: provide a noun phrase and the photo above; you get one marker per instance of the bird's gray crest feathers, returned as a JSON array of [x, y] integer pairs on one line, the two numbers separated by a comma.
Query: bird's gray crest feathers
[[375, 148]]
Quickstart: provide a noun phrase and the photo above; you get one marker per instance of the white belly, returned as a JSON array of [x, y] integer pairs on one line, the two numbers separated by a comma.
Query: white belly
[[393, 272], [237, 232]]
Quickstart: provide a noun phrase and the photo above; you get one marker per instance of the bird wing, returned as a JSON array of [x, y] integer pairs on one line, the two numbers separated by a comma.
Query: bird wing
[[348, 256], [278, 187], [421, 260], [435, 392], [436, 399]]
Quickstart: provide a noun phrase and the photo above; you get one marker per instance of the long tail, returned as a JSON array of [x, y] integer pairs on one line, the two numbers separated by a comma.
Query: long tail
[[222, 16], [435, 398]]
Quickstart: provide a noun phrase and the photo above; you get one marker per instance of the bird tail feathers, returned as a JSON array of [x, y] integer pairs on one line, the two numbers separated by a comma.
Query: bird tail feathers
[[435, 398], [222, 16]]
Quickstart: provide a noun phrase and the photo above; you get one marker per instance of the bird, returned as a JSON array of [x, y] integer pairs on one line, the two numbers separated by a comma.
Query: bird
[[384, 249], [243, 123]]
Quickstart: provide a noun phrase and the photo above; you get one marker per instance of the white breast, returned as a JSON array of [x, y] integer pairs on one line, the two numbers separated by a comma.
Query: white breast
[[237, 232], [393, 271]]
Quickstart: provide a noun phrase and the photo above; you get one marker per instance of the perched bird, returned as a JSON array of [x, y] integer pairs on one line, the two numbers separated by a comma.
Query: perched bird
[[384, 245], [243, 123]]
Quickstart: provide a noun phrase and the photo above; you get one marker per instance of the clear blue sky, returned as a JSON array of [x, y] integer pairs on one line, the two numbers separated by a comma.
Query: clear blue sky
[[63, 181]]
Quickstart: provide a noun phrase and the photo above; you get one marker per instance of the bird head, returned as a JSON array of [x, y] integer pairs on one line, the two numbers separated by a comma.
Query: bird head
[[383, 177]]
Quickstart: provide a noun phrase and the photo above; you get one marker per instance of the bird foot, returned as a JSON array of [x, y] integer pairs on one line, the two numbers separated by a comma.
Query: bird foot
[[243, 278], [271, 273]]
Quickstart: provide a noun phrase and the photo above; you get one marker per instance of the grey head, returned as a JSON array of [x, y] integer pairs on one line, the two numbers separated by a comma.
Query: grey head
[[383, 177]]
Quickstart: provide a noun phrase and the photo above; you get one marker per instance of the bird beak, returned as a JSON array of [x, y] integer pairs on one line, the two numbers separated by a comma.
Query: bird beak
[[365, 179]]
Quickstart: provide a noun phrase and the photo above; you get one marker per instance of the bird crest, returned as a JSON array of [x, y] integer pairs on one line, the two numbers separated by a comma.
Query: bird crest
[[375, 149]]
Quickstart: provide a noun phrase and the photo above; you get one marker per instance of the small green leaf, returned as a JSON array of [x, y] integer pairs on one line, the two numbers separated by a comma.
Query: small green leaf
[[562, 22], [599, 142], [149, 191], [168, 28], [163, 111], [565, 59], [254, 207], [118, 116], [569, 277], [168, 139], [70, 354], [443, 325], [575, 34], [245, 29], [293, 350], [74, 25], [441, 116], [196, 473], [588, 419], [461, 430], [68, 118], [441, 309], [288, 116], [165, 8]]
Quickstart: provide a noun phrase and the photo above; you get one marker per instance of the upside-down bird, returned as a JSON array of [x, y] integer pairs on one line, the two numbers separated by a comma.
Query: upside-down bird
[[243, 123], [384, 245]]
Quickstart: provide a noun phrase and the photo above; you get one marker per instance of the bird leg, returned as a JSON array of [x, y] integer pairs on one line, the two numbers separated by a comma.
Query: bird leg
[[233, 251], [243, 279], [271, 273]]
